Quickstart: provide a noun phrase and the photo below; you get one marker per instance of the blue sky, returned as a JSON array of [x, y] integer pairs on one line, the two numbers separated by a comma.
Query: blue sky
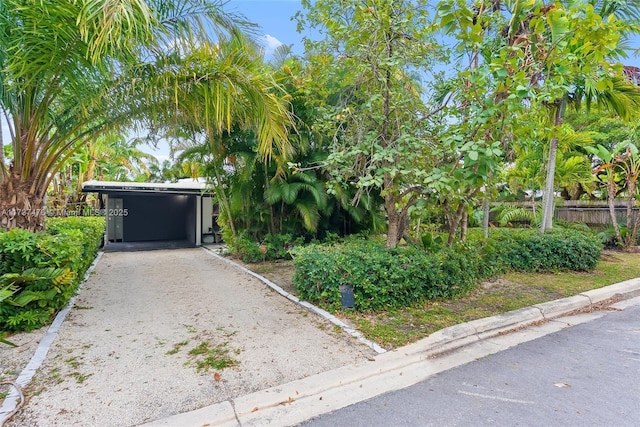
[[274, 18]]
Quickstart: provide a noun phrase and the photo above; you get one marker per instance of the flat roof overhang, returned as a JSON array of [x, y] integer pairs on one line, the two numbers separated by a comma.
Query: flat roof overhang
[[184, 187]]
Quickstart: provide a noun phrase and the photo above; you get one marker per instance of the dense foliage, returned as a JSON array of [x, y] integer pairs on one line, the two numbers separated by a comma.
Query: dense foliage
[[387, 278], [44, 269], [527, 250], [272, 247]]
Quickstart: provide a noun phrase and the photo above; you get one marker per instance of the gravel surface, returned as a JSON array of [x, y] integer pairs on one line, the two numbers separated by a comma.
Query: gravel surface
[[124, 355]]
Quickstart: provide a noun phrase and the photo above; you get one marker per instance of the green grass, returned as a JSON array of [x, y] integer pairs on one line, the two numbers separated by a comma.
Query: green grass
[[510, 292], [216, 357], [73, 362], [80, 378], [177, 346]]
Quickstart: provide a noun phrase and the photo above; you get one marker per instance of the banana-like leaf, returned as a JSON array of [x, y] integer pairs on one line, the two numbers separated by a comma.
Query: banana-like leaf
[[25, 297], [12, 282], [7, 291], [32, 275]]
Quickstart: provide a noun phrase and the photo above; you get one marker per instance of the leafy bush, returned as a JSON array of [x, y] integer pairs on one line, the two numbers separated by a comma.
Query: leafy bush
[[388, 278], [247, 249], [272, 247], [608, 236], [529, 251], [52, 263], [382, 278]]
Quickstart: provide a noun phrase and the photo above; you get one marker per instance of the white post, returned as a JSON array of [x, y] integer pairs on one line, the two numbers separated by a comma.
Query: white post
[[199, 220]]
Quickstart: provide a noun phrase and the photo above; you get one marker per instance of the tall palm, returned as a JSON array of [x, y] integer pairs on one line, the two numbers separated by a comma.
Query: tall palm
[[217, 88], [595, 78], [231, 91], [606, 172], [71, 70]]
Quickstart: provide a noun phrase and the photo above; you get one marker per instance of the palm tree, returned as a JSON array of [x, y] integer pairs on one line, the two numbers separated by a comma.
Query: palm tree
[[301, 192], [72, 70], [232, 97], [594, 77], [606, 171], [619, 170]]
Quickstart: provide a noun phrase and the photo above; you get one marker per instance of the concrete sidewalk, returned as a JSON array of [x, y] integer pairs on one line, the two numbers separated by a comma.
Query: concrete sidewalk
[[300, 400]]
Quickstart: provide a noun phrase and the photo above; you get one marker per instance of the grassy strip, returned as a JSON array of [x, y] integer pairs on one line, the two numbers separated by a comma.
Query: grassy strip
[[399, 327]]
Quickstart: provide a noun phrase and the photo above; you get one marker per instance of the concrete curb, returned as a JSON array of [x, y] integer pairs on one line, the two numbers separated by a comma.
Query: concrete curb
[[12, 400], [294, 402]]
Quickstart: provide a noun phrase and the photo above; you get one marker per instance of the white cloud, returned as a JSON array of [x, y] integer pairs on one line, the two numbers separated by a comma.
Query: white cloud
[[270, 44], [162, 157]]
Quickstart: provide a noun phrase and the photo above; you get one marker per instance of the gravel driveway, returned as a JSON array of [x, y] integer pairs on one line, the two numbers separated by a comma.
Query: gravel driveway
[[151, 331]]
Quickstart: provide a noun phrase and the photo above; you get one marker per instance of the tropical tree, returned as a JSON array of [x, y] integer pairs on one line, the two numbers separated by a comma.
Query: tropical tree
[[166, 171], [570, 48], [552, 56], [619, 171], [365, 75], [572, 170], [228, 89], [72, 70], [106, 157]]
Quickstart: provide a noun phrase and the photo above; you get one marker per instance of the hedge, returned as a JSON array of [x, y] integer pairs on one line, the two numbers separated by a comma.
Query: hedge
[[389, 278], [68, 247], [526, 250], [381, 278]]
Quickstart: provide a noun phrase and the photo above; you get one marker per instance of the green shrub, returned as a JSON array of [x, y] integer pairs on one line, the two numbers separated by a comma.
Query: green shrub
[[382, 278], [248, 250], [89, 230], [527, 250], [272, 247], [67, 247], [388, 278]]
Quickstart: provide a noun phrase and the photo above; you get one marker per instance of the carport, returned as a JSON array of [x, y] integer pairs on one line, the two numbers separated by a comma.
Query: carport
[[154, 212]]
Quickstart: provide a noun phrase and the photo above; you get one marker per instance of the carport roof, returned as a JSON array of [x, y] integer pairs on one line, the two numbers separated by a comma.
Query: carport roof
[[181, 187]]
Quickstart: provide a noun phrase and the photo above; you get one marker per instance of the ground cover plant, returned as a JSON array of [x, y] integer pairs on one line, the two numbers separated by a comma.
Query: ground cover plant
[[44, 269]]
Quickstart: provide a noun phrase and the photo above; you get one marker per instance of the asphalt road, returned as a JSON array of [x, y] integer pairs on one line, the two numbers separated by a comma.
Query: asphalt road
[[586, 375]]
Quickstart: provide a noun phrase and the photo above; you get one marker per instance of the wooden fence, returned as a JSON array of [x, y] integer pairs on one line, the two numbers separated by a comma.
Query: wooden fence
[[590, 212]]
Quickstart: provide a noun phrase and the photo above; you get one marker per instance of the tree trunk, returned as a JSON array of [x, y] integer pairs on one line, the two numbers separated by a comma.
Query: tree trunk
[[547, 207], [611, 196], [395, 223], [454, 223], [546, 222], [632, 228], [1, 151], [636, 224], [465, 226], [485, 217], [272, 215], [21, 206], [224, 202]]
